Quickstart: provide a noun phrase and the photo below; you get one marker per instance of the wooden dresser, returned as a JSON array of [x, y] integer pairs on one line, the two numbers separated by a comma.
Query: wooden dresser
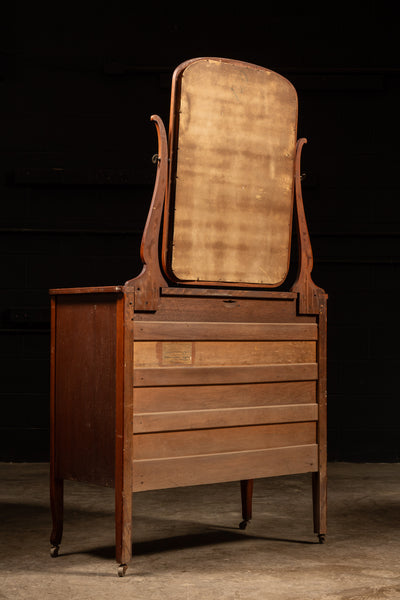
[[210, 366]]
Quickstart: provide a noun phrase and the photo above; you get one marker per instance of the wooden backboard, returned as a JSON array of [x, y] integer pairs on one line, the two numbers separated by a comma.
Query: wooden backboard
[[230, 198]]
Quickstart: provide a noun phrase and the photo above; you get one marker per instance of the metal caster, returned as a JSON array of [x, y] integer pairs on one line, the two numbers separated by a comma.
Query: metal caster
[[54, 551], [122, 570], [321, 538], [244, 524]]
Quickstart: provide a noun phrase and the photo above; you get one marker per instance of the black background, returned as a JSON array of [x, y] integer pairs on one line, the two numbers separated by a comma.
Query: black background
[[78, 83]]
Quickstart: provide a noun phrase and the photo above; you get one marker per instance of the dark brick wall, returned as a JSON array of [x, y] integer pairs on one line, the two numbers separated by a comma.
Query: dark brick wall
[[77, 88]]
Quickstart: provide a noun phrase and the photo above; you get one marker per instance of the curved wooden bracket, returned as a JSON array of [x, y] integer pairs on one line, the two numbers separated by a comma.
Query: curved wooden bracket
[[148, 283], [310, 295]]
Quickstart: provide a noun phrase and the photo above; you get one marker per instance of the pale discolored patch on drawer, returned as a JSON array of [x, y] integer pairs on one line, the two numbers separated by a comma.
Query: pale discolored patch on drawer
[[222, 353], [176, 353]]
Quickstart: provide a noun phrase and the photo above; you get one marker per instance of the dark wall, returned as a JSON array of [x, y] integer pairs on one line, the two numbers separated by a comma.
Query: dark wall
[[77, 88]]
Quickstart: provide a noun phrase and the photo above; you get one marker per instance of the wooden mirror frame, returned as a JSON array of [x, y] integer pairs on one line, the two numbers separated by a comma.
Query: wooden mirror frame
[[148, 284]]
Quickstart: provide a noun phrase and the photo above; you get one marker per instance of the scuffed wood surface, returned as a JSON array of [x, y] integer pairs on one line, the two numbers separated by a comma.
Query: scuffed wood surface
[[176, 330], [159, 376], [209, 441], [227, 466], [156, 399], [213, 354], [223, 417]]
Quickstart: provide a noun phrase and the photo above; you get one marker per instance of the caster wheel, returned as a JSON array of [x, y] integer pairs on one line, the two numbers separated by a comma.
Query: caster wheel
[[321, 538], [54, 551], [122, 570], [243, 524]]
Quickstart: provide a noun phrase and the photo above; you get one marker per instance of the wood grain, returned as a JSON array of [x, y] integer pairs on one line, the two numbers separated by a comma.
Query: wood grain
[[85, 386], [225, 292], [189, 330], [217, 375], [229, 466], [209, 441], [108, 289], [123, 432], [225, 309], [152, 354], [223, 417], [162, 399]]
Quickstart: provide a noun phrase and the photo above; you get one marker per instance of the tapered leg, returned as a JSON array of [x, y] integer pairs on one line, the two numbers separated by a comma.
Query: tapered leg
[[124, 433], [57, 513], [319, 485], [246, 489], [123, 529]]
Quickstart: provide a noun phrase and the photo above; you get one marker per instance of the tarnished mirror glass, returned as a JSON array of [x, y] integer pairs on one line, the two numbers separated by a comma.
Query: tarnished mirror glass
[[231, 197]]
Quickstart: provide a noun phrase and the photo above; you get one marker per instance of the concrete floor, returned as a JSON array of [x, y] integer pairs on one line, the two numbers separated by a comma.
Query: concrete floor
[[187, 545]]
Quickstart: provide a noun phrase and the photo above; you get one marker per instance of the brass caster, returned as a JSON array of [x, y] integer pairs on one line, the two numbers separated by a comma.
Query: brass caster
[[244, 524], [122, 570], [321, 538], [54, 551]]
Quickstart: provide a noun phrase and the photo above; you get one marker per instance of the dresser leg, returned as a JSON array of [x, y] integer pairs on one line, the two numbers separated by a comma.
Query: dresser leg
[[57, 513], [319, 486], [246, 489], [123, 530]]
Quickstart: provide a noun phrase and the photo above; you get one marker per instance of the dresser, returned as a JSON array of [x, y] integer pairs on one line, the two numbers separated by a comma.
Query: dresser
[[210, 366]]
